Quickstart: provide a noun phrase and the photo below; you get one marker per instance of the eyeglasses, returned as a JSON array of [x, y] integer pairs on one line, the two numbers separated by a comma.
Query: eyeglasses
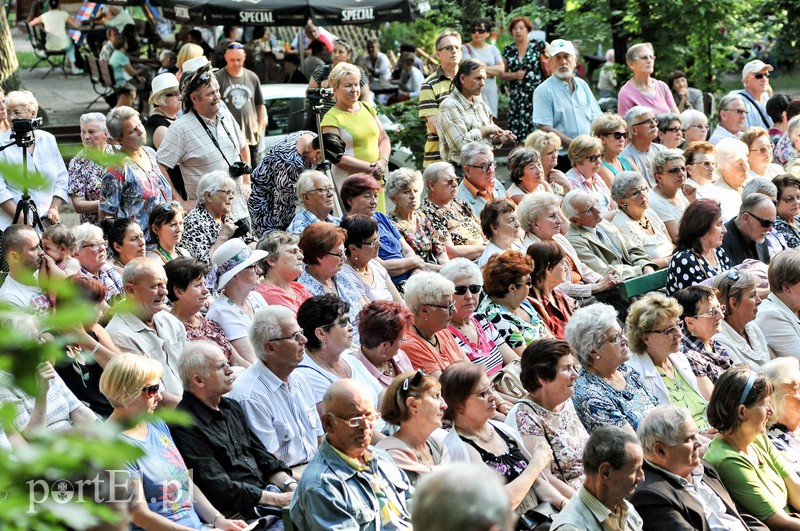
[[699, 126], [707, 164], [673, 129], [486, 393], [294, 337], [480, 30], [152, 390], [651, 121], [228, 193], [639, 192], [737, 111], [591, 208], [484, 167], [170, 205], [616, 339], [374, 243], [450, 48], [617, 135], [324, 191], [667, 332], [236, 46], [173, 94], [764, 150], [355, 422], [761, 76], [340, 254], [94, 246], [526, 282], [343, 322], [594, 158], [450, 307], [716, 311], [450, 182], [791, 199], [766, 223], [413, 381], [472, 288], [676, 169], [647, 58]]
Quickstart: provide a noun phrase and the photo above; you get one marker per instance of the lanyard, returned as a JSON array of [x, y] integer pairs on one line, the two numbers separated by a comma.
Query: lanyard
[[213, 138]]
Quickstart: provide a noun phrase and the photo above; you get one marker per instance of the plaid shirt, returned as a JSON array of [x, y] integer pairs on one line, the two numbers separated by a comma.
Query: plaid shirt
[[711, 363]]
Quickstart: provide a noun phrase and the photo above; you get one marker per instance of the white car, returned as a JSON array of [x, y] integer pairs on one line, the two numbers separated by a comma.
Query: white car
[[286, 114]]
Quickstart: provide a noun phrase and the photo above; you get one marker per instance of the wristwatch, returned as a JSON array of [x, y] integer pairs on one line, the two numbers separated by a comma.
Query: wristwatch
[[288, 483]]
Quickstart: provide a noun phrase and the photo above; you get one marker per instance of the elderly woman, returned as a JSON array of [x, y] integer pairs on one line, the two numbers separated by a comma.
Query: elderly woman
[[549, 372], [403, 187], [751, 468], [480, 48], [701, 166], [131, 384], [43, 155], [413, 401], [585, 153], [501, 227], [685, 97], [526, 173], [86, 169], [126, 241], [322, 246], [777, 315], [360, 196], [732, 156], [361, 247], [187, 291], [524, 71], [210, 224], [637, 220], [667, 198], [541, 219], [784, 373], [642, 89], [133, 186], [477, 438], [740, 336], [702, 317], [654, 329], [166, 229], [473, 332], [429, 345], [368, 145], [550, 270], [792, 164], [166, 102], [760, 154], [506, 281], [281, 268], [694, 125], [787, 222], [670, 131], [611, 129], [547, 145], [451, 216], [383, 326], [607, 392], [698, 252], [92, 255]]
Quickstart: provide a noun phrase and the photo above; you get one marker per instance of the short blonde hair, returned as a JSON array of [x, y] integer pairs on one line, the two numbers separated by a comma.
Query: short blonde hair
[[645, 314], [125, 375], [188, 51], [608, 123], [540, 140], [19, 98], [581, 147], [341, 70]]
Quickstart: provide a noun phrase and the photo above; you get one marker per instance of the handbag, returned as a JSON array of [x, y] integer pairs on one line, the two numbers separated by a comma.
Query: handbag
[[540, 518], [507, 381]]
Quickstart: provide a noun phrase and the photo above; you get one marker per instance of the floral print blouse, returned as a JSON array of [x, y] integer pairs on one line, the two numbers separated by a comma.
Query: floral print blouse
[[419, 233], [86, 177], [458, 221], [516, 331]]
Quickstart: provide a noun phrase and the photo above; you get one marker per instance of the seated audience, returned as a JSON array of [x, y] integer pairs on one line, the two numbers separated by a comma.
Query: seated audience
[[501, 227], [670, 134], [695, 126], [316, 201], [608, 391], [740, 335], [548, 144], [701, 165], [611, 129], [667, 197], [686, 97], [479, 184], [166, 229], [126, 241], [759, 158], [732, 170], [91, 253], [585, 154], [777, 315], [642, 131], [526, 174], [787, 221], [745, 237], [278, 403], [550, 269], [23, 254], [784, 373], [383, 326], [362, 247], [281, 267], [612, 462]]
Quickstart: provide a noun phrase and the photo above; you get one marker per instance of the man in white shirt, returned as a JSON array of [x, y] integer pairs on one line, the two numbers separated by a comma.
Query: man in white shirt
[[732, 118], [23, 252]]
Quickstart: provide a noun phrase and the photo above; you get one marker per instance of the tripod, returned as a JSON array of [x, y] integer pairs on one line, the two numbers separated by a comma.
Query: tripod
[[325, 165], [26, 212]]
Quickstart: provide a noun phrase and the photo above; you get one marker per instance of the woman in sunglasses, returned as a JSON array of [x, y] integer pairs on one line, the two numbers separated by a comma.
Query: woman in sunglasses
[[787, 222], [670, 132], [550, 270], [166, 229], [413, 401], [760, 154], [488, 53], [612, 129], [585, 153], [166, 497], [740, 335]]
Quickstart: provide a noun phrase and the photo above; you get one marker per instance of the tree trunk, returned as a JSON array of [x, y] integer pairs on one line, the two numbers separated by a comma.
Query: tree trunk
[[9, 76]]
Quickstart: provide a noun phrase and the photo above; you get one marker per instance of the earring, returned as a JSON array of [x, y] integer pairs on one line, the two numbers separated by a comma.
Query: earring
[[324, 344], [624, 207], [598, 357]]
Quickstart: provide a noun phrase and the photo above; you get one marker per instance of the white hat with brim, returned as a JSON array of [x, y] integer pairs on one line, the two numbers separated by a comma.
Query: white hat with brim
[[754, 67], [561, 46], [233, 257], [193, 65], [161, 83]]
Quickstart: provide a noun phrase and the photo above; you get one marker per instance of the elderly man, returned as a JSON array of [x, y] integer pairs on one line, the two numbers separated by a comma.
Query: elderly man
[[229, 463], [206, 138], [642, 130], [732, 169], [149, 329], [436, 88], [756, 92], [278, 403], [679, 491], [241, 92], [479, 185], [599, 243], [23, 253], [316, 201], [463, 497], [564, 103], [612, 462], [747, 232], [350, 484], [732, 117], [464, 116]]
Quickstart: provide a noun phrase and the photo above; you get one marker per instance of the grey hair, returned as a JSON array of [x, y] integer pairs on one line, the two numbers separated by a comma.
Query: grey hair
[[194, 361], [267, 325], [760, 185], [115, 118], [462, 267], [94, 117], [426, 288], [401, 179], [273, 243], [666, 118], [567, 204], [533, 206], [85, 232], [729, 150], [586, 330], [474, 497], [726, 101], [608, 444], [782, 372], [471, 150], [634, 113], [662, 424], [139, 268], [630, 55], [752, 201], [432, 172], [691, 117], [623, 182], [662, 157], [306, 182], [211, 183], [793, 127], [166, 53]]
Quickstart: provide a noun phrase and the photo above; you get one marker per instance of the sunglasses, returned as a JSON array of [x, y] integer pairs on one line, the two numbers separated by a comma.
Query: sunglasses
[[677, 169], [761, 76], [413, 381], [617, 135], [672, 129], [473, 288], [480, 30], [173, 94], [651, 121], [152, 390], [766, 223], [343, 321], [594, 158], [170, 205], [484, 167], [236, 46]]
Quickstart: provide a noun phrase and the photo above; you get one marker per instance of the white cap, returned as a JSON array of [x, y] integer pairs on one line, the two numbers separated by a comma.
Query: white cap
[[754, 67], [561, 46]]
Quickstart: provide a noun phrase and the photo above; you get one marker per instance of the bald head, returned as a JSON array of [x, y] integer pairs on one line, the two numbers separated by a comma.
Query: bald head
[[347, 401]]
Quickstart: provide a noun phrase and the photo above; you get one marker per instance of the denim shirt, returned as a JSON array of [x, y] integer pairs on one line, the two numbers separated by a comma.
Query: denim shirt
[[332, 495]]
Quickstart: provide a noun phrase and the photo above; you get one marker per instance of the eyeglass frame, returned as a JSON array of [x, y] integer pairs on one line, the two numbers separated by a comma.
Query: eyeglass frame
[[764, 150], [667, 331], [720, 309], [651, 121], [484, 167], [451, 307], [355, 422], [472, 288], [765, 223], [152, 390], [639, 192], [374, 243], [96, 246], [618, 135], [294, 337], [328, 190], [343, 321]]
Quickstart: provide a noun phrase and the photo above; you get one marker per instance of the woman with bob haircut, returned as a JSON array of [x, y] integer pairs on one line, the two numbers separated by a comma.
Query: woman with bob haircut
[[612, 130], [740, 335], [383, 326], [166, 229], [550, 270], [526, 173], [281, 268], [131, 383], [501, 227]]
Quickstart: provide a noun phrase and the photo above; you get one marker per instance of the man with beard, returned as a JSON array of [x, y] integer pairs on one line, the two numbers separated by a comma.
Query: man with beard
[[564, 104], [23, 253], [747, 232]]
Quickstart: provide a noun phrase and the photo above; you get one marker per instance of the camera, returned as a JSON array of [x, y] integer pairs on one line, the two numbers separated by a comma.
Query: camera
[[239, 168], [22, 130], [319, 94]]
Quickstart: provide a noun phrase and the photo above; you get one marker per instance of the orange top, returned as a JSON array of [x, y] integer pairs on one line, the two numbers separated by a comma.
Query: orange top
[[424, 356]]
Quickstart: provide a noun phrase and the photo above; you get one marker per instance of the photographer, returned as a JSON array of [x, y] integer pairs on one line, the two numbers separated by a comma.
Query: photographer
[[205, 139]]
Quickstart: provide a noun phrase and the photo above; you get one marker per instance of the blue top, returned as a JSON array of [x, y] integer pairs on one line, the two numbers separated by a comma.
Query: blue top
[[626, 165], [391, 243], [570, 113]]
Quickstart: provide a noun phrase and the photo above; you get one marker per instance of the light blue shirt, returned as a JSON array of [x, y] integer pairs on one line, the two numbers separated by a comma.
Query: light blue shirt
[[572, 114], [476, 203], [754, 118]]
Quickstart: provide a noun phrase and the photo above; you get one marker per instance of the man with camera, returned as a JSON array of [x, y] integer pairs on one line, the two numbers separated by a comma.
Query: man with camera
[[205, 139]]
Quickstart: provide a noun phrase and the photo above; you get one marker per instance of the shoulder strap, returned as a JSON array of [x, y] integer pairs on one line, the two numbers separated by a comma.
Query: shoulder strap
[[752, 100]]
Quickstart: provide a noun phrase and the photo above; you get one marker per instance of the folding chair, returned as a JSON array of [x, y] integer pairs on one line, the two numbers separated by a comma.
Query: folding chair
[[37, 37]]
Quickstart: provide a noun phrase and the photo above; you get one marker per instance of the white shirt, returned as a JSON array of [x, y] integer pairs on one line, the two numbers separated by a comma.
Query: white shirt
[[234, 322], [729, 199], [753, 355], [24, 296], [668, 210]]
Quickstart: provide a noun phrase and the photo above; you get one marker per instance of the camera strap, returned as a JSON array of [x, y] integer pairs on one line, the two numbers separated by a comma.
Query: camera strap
[[213, 138]]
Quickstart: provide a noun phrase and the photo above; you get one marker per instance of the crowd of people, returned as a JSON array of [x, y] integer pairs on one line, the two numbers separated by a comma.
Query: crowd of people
[[346, 342]]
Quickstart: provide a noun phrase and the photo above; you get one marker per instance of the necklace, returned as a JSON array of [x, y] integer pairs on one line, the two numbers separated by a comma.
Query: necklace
[[328, 366], [389, 371], [431, 343], [646, 224], [484, 438]]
